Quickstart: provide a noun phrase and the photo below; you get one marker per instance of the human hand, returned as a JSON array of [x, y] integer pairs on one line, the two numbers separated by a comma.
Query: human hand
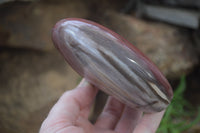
[[70, 115]]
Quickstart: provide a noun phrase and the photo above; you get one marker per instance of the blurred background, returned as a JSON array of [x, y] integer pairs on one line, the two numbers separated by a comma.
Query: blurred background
[[33, 75]]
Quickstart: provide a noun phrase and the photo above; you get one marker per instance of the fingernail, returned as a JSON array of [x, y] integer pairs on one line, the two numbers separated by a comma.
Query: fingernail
[[83, 83]]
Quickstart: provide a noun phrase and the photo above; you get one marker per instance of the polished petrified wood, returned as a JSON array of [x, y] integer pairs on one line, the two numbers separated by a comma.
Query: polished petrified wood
[[112, 64]]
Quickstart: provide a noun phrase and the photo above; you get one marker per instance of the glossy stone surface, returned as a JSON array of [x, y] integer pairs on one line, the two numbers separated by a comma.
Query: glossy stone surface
[[112, 64]]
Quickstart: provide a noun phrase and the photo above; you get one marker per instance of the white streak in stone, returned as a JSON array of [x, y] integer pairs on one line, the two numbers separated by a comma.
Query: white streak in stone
[[159, 92]]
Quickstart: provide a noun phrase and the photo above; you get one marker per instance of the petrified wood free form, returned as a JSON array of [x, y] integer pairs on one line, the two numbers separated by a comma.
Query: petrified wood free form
[[112, 64]]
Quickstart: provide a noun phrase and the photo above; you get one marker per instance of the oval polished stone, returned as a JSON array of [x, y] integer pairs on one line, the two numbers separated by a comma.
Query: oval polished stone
[[112, 64]]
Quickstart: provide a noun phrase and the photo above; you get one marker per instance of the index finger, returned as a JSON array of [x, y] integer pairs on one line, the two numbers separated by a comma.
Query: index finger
[[149, 123], [70, 105]]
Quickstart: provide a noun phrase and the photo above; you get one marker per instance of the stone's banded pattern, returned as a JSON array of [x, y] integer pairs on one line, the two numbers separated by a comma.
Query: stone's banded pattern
[[112, 64]]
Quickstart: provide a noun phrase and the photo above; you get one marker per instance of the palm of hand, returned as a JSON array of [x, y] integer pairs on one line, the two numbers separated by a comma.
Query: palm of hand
[[70, 115]]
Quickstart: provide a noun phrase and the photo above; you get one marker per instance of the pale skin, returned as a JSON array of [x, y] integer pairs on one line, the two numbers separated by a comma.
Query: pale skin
[[70, 115]]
